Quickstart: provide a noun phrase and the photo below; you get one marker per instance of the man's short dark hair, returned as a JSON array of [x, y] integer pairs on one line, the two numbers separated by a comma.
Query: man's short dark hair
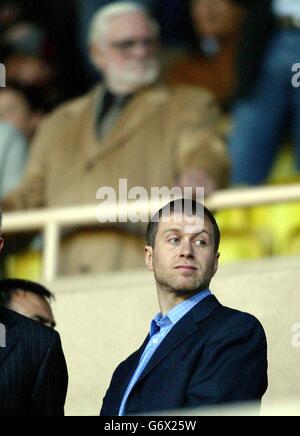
[[9, 287], [186, 206]]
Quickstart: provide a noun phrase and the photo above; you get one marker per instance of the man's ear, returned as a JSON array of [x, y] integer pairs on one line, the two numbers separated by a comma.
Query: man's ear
[[216, 263], [1, 243], [97, 56], [149, 257]]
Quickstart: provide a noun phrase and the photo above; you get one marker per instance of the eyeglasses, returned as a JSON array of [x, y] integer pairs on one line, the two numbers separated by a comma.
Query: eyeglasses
[[129, 44]]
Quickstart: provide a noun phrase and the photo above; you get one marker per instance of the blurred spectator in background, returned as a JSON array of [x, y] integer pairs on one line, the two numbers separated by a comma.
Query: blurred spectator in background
[[29, 62], [170, 14], [28, 299], [13, 154], [130, 127], [22, 107], [85, 12], [9, 12], [21, 111], [38, 45], [210, 61], [268, 107]]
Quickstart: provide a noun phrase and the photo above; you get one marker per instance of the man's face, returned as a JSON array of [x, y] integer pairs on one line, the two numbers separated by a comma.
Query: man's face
[[183, 259], [128, 55], [32, 306]]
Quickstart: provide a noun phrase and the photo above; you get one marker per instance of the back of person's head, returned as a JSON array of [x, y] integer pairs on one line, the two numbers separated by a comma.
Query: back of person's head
[[8, 287], [28, 298]]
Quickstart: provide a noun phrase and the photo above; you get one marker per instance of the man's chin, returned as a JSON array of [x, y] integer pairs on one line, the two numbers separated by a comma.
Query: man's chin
[[187, 286], [141, 80], [190, 286], [142, 76]]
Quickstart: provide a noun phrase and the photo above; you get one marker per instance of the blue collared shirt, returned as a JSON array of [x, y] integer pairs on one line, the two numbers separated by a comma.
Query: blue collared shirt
[[159, 328]]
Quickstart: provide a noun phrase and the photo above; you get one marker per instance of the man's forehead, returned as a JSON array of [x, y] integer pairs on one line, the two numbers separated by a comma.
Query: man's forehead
[[185, 223], [127, 25], [28, 297]]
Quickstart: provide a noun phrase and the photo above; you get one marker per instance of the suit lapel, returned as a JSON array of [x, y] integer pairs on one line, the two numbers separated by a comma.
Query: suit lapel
[[125, 376], [190, 323]]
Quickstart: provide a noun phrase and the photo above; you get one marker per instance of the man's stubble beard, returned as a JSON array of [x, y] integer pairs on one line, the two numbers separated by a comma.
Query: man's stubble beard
[[183, 285]]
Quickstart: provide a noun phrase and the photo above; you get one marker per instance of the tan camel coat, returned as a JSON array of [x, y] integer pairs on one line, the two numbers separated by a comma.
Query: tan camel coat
[[159, 133]]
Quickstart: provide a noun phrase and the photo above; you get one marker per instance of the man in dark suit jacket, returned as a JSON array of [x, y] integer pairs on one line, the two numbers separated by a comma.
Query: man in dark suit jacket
[[33, 372], [198, 353]]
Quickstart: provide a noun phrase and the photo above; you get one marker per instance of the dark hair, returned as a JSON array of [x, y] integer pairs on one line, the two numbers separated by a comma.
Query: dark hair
[[186, 206], [9, 287]]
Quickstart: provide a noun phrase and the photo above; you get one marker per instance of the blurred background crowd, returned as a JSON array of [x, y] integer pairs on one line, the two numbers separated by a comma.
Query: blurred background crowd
[[240, 53]]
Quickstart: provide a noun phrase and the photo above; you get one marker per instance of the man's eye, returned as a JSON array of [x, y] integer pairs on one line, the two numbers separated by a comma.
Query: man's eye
[[174, 240], [200, 242]]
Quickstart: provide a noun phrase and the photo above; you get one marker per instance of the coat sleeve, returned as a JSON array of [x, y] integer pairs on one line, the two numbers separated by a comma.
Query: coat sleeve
[[233, 366], [50, 387], [198, 140]]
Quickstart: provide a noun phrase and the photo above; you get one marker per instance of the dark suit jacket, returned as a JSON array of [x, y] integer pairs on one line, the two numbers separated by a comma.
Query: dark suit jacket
[[33, 373], [213, 355]]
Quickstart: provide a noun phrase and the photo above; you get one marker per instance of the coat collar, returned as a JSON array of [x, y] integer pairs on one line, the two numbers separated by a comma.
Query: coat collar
[[150, 99], [7, 320], [181, 331]]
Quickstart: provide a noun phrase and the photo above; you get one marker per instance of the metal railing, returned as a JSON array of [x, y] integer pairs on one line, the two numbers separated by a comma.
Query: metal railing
[[51, 221]]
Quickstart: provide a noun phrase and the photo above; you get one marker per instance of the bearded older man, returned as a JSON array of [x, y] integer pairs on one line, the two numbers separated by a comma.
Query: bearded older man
[[130, 127]]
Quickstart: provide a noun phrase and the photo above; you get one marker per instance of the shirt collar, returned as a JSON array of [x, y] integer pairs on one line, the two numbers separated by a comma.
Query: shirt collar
[[176, 313]]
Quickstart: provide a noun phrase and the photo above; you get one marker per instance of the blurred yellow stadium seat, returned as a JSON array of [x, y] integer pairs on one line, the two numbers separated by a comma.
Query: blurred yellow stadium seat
[[237, 219], [279, 222], [238, 240], [293, 243], [26, 266], [237, 245]]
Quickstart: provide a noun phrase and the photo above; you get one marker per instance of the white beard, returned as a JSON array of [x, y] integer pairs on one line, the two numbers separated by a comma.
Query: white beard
[[135, 75]]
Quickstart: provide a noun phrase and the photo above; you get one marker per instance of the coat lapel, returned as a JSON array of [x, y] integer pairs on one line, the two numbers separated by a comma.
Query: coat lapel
[[140, 109], [190, 323], [126, 374]]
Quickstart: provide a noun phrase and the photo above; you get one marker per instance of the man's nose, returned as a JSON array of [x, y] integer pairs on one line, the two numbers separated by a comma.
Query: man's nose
[[186, 249], [141, 50]]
